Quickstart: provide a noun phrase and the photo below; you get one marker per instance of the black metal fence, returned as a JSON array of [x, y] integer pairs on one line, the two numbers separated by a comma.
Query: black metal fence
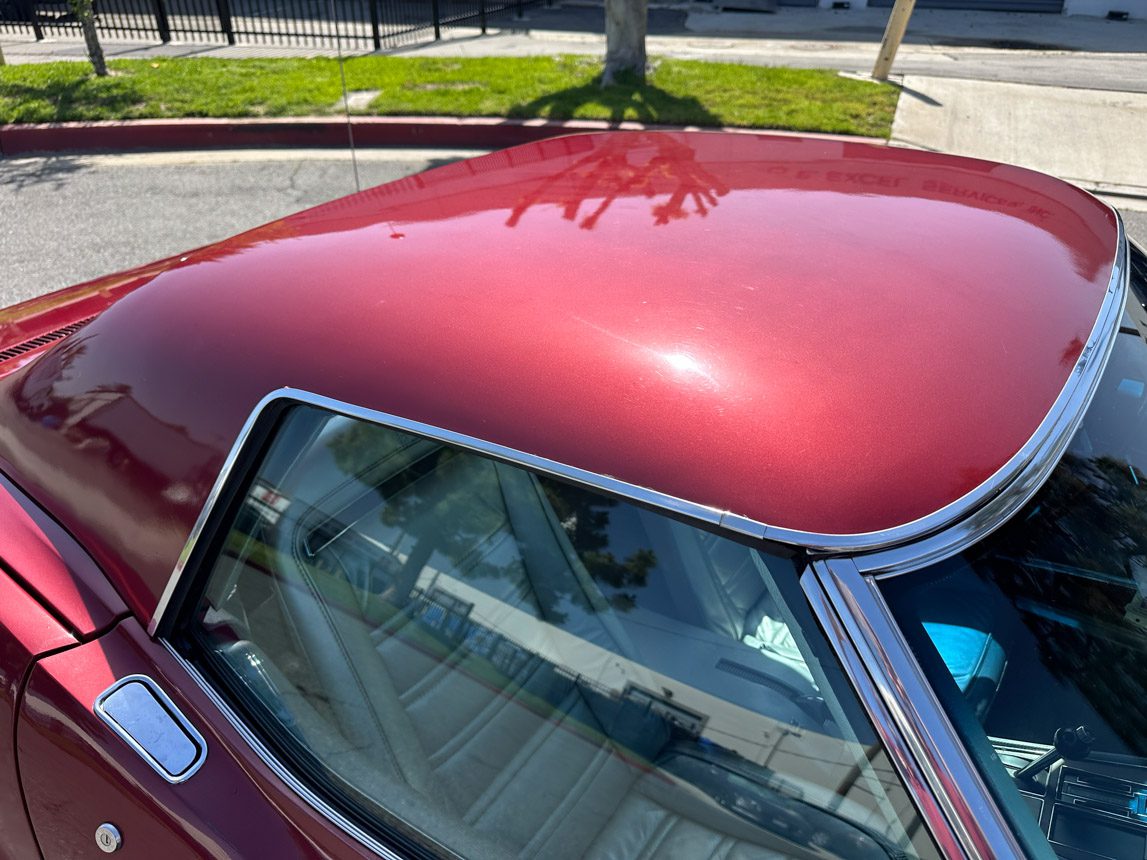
[[353, 24]]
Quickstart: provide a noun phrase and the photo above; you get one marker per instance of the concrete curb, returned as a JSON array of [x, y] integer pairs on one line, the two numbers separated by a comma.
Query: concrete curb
[[316, 132]]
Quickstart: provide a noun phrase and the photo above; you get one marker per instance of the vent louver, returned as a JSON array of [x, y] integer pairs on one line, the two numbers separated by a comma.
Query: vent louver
[[43, 340]]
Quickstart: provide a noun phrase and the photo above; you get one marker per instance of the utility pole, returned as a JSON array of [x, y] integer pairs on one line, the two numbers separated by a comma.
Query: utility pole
[[893, 34]]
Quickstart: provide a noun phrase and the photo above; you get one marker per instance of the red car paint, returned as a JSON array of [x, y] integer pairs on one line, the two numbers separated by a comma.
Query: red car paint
[[233, 807], [27, 630], [819, 335], [40, 555]]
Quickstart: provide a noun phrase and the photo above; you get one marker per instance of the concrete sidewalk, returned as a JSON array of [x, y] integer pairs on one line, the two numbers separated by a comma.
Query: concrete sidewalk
[[1095, 139]]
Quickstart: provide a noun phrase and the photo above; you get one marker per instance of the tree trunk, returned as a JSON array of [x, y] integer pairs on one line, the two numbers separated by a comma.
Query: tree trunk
[[1, 55], [86, 15], [625, 26]]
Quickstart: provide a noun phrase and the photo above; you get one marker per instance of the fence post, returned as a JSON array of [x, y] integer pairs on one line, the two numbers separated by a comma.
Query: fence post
[[437, 20], [519, 10], [161, 21], [374, 25], [28, 7], [482, 15], [224, 9]]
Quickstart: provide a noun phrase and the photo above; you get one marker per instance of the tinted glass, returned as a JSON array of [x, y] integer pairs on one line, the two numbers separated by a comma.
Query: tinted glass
[[485, 660], [1042, 628]]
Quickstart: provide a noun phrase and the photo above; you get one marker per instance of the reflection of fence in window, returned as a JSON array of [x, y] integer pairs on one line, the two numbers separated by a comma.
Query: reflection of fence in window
[[683, 719], [356, 24]]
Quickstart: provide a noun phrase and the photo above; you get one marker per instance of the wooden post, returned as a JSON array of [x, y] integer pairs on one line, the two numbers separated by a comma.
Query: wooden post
[[893, 33]]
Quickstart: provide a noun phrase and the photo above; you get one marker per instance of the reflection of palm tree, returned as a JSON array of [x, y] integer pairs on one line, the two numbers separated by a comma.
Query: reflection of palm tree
[[449, 503], [584, 516], [612, 170]]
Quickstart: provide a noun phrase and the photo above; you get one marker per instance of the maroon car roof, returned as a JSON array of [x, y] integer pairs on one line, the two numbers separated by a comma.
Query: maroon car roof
[[818, 335]]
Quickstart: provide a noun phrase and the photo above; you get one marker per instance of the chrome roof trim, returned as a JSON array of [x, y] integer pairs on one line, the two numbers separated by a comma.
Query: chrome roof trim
[[1046, 444], [278, 768], [929, 802], [916, 715], [1061, 424]]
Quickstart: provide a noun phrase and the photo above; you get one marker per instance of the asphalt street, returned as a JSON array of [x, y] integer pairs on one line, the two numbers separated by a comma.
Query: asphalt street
[[65, 219], [69, 218]]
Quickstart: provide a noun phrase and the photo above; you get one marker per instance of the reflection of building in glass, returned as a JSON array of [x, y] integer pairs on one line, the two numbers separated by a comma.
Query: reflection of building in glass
[[266, 502], [658, 712], [1136, 611]]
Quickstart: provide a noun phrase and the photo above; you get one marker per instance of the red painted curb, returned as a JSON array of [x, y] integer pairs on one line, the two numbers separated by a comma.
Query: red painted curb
[[452, 132]]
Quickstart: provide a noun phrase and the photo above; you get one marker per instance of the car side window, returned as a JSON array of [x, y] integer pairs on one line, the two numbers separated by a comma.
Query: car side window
[[463, 656]]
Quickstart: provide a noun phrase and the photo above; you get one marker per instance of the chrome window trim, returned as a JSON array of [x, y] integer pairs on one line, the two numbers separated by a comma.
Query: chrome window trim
[[662, 501], [277, 767], [929, 802], [915, 713]]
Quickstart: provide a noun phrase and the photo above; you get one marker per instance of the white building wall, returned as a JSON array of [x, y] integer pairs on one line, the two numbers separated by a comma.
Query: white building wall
[[1134, 8], [1100, 8]]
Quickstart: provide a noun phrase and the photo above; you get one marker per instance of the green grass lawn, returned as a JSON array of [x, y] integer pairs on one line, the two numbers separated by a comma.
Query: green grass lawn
[[677, 92]]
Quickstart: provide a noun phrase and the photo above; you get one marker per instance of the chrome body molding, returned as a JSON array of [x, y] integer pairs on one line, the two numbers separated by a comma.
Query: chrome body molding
[[915, 714], [145, 718], [278, 768], [929, 802]]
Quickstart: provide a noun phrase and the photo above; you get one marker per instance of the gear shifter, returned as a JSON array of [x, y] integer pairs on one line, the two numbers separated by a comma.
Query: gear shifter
[[1067, 743]]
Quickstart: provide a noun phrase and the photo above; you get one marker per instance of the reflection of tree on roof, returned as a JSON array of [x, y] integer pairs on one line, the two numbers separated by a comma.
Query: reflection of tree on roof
[[612, 170]]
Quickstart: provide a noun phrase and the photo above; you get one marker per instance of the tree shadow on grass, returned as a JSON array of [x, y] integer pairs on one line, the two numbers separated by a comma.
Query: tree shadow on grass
[[77, 99], [625, 99]]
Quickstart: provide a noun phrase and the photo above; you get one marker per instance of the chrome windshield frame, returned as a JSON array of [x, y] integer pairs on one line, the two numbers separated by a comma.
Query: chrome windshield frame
[[905, 707]]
